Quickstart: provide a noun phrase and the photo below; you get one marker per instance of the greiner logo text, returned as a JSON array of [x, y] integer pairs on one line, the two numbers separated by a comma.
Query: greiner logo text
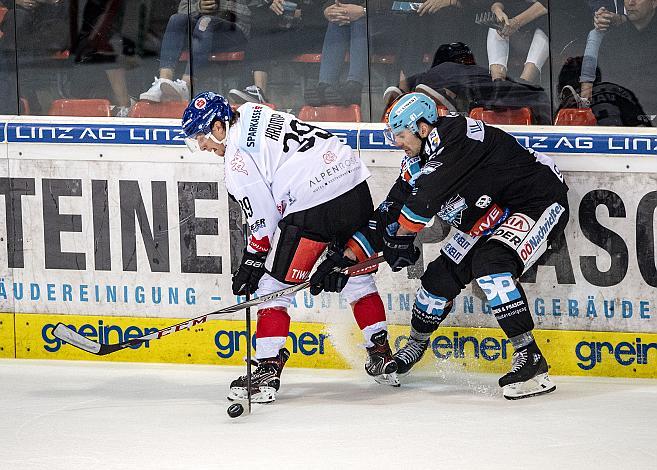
[[101, 333], [488, 348], [307, 343], [590, 353]]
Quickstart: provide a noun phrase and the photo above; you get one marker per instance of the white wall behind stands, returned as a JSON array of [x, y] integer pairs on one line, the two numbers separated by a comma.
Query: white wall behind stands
[[116, 217]]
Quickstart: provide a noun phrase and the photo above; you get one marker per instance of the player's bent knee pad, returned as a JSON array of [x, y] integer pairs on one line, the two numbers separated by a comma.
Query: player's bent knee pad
[[358, 287], [293, 254], [267, 285], [508, 303], [429, 310]]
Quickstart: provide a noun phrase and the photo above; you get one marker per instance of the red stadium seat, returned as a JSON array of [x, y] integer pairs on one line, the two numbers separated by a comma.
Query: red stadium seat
[[233, 56], [349, 113], [3, 13], [517, 116], [83, 108], [575, 117], [308, 58], [149, 109]]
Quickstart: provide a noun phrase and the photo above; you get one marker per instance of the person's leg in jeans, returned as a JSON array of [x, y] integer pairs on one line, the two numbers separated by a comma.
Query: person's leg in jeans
[[173, 43], [590, 62], [357, 61]]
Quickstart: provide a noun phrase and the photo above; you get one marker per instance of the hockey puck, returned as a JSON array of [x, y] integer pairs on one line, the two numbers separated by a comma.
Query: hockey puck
[[235, 410]]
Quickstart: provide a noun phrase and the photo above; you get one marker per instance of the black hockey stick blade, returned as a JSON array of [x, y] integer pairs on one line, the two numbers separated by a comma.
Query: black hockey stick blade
[[73, 338]]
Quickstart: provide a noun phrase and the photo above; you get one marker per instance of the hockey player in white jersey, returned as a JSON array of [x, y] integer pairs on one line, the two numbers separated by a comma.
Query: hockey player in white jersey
[[302, 191]]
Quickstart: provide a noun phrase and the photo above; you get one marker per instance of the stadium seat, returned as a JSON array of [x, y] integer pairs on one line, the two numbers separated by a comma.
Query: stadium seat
[[3, 13], [83, 108], [149, 109], [349, 113], [575, 117], [232, 56], [517, 116]]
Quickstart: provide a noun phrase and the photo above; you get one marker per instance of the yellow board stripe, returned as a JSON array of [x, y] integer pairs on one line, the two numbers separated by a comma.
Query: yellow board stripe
[[316, 345], [7, 341]]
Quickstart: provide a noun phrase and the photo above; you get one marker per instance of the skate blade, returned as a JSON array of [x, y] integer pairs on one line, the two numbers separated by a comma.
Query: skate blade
[[265, 395], [387, 379], [535, 386]]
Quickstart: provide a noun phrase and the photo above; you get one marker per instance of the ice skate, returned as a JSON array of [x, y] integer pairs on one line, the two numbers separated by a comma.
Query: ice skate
[[265, 380], [410, 354], [380, 363], [528, 376]]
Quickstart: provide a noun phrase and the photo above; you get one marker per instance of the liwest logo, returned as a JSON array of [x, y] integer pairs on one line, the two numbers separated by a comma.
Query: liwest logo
[[591, 353], [101, 333], [229, 342]]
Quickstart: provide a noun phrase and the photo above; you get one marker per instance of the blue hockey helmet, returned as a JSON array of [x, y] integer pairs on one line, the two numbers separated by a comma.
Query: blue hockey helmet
[[406, 112], [202, 111]]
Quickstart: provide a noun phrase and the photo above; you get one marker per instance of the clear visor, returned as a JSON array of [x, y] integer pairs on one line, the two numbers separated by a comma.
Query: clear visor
[[193, 141], [389, 135]]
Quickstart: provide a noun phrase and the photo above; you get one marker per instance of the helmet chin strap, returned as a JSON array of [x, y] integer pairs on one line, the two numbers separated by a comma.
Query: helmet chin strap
[[222, 141]]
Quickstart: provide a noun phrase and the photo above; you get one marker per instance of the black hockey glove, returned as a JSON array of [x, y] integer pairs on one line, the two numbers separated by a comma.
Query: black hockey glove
[[326, 277], [249, 273], [399, 250]]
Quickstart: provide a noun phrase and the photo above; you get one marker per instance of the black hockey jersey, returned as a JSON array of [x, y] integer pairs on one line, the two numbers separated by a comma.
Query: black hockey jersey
[[469, 174]]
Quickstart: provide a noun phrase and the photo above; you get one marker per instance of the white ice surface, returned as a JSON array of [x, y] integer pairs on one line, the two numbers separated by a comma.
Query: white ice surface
[[75, 415]]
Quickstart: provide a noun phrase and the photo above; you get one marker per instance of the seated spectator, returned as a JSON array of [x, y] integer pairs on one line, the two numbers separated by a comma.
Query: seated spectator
[[99, 43], [611, 103], [279, 30], [224, 24], [346, 31], [529, 19], [628, 56], [457, 82], [606, 13], [37, 29]]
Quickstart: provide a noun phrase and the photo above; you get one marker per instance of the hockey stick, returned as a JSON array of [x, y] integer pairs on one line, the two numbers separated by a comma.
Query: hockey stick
[[73, 338]]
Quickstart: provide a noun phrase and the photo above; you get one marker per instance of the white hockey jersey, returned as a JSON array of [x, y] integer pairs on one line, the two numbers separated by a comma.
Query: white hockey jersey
[[277, 165]]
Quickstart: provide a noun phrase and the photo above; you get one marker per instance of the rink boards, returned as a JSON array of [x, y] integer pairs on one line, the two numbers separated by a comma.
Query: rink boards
[[116, 219], [332, 346]]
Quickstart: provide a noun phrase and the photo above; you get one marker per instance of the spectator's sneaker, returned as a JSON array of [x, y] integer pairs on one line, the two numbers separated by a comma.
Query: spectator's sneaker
[[154, 93], [427, 90], [352, 92], [251, 94], [568, 93], [174, 91], [121, 111], [315, 96], [391, 94]]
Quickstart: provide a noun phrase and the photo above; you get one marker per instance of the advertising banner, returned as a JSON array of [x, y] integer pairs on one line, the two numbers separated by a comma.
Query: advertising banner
[[337, 345]]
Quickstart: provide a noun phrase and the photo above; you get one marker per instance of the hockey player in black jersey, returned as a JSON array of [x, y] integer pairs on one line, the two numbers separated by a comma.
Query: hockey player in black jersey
[[505, 203]]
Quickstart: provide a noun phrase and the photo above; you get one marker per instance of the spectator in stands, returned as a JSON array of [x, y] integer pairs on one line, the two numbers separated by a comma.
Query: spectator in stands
[[529, 19], [611, 103], [628, 56], [280, 29], [36, 29], [458, 83], [100, 43], [224, 23], [606, 13], [346, 30]]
